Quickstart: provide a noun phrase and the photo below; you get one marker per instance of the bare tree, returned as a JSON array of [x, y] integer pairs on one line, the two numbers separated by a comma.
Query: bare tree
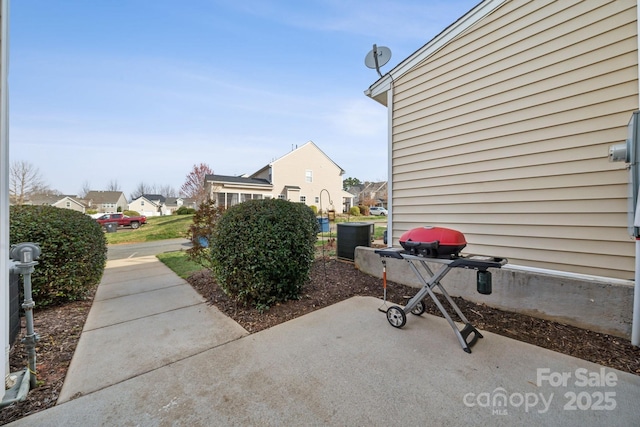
[[25, 180], [141, 189], [194, 184], [113, 185], [163, 190], [167, 191], [86, 187]]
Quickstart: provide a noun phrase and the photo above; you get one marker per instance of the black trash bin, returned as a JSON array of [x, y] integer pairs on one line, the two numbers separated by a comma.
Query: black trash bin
[[111, 227]]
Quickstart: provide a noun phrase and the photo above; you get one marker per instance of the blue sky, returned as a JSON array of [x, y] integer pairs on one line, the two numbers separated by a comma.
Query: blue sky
[[141, 90]]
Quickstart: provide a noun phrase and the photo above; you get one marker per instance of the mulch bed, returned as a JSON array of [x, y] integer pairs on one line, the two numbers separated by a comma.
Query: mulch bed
[[333, 281], [59, 329]]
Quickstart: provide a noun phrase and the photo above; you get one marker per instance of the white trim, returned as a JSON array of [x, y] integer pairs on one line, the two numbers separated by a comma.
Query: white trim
[[438, 42], [635, 314], [4, 189], [390, 168]]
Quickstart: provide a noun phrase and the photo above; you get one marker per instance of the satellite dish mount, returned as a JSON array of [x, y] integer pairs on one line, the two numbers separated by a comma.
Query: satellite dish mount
[[377, 57]]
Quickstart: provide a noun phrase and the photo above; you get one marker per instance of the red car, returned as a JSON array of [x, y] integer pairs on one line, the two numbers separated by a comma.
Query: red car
[[122, 220]]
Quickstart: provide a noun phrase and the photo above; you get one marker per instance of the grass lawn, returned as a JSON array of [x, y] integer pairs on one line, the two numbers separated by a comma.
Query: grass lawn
[[179, 263], [156, 228], [380, 225]]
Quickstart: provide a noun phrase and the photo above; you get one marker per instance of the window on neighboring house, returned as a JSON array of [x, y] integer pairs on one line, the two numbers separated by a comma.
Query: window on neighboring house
[[308, 176], [232, 199], [68, 204], [317, 199], [281, 196], [303, 199], [141, 202]]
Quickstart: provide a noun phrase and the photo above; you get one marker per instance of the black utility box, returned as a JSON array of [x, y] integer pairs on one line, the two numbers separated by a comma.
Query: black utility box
[[350, 235]]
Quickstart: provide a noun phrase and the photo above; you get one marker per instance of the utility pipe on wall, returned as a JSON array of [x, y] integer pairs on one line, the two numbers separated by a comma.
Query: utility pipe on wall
[[635, 325]]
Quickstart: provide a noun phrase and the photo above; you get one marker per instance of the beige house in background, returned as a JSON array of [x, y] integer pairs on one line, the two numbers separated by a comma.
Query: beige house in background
[[500, 127], [157, 205], [172, 204], [371, 193], [106, 201], [147, 205], [301, 175], [59, 201]]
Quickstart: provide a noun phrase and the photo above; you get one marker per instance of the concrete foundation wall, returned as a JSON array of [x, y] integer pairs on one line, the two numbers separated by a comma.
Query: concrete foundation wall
[[596, 303]]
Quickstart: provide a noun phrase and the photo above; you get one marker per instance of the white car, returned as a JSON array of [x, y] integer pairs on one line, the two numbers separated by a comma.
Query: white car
[[378, 210]]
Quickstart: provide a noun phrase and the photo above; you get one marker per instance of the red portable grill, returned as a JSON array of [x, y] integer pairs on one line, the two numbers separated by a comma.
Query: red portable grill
[[437, 246], [433, 242]]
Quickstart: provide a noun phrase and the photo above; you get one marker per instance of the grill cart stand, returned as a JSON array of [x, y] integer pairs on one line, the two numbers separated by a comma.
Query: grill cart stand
[[397, 316]]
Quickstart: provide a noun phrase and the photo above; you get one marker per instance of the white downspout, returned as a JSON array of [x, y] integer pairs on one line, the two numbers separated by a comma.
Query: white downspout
[[4, 189], [390, 165]]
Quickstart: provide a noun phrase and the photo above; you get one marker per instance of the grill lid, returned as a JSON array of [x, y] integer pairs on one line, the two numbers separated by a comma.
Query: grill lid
[[433, 242]]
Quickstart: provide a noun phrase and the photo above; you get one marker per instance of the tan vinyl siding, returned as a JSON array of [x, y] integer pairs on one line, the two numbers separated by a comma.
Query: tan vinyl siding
[[504, 134], [292, 169]]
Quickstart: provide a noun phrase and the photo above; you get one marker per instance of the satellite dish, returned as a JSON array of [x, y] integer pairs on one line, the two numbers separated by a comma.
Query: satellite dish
[[377, 57]]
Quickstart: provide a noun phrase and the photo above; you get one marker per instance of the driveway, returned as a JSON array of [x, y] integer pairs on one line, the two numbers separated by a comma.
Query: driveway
[[131, 250]]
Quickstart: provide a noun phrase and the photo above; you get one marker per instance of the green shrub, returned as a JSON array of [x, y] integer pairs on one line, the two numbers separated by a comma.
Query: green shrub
[[131, 213], [204, 220], [74, 251], [314, 208], [364, 210], [91, 211], [262, 251], [354, 211], [183, 210]]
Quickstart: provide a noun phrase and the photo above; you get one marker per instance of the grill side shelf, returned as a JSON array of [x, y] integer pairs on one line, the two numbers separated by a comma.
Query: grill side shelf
[[476, 262]]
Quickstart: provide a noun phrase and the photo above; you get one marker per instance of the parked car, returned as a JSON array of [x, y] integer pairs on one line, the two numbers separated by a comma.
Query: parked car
[[378, 210], [122, 220]]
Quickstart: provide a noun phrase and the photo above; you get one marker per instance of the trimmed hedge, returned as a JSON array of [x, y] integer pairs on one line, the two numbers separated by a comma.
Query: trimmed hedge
[[354, 210], [74, 251], [183, 210], [262, 251]]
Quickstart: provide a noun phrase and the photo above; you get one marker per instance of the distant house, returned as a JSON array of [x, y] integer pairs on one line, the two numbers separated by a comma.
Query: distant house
[[148, 205], [106, 201], [370, 193], [231, 190], [156, 204], [172, 204], [306, 175], [59, 201]]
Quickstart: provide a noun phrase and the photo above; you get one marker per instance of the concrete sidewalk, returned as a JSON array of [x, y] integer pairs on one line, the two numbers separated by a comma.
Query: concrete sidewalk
[[143, 317], [153, 353]]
